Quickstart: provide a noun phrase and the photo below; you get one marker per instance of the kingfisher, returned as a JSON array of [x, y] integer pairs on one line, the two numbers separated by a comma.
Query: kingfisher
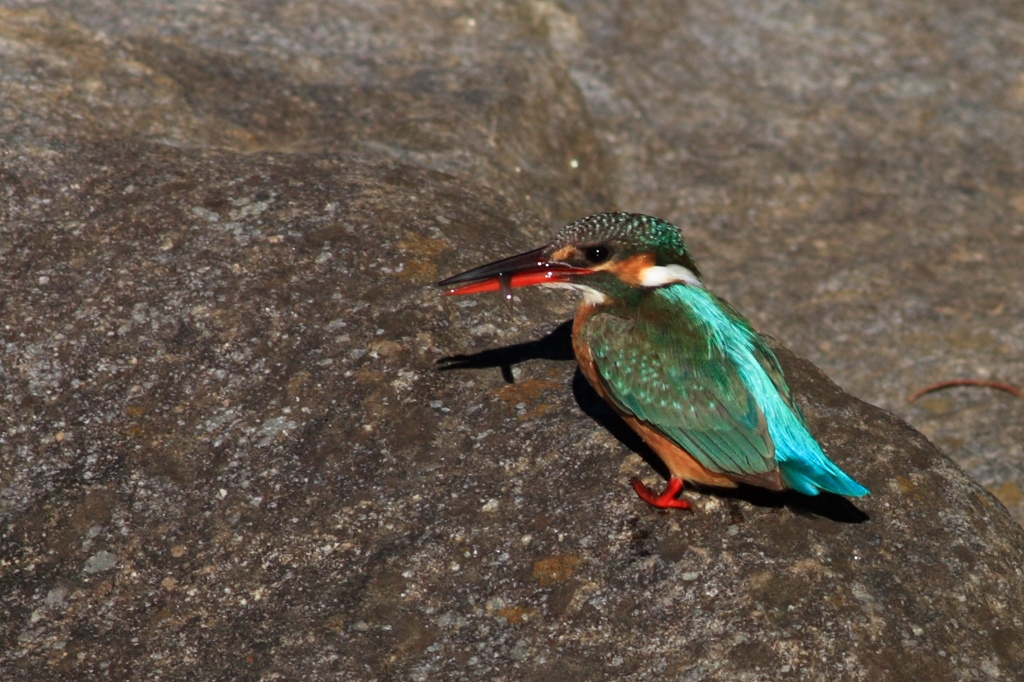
[[680, 365]]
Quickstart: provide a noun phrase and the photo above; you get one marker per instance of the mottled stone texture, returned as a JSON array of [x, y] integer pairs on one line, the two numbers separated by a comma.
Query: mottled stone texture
[[228, 449]]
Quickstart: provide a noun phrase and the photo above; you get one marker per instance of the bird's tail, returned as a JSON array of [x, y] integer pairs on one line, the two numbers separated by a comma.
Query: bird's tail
[[803, 464], [810, 475]]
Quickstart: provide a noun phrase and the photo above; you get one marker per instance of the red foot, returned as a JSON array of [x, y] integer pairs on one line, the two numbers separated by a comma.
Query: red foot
[[667, 500]]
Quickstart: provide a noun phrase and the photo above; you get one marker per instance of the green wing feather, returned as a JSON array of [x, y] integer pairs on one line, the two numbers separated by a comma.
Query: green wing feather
[[662, 367]]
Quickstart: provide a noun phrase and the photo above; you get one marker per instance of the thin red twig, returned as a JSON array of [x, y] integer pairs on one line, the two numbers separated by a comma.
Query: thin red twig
[[1012, 390]]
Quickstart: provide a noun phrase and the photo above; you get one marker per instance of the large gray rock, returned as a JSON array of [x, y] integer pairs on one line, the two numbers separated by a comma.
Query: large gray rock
[[230, 452]]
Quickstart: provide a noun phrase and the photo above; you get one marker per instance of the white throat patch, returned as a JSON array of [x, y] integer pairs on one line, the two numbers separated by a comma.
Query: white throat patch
[[590, 296], [660, 275]]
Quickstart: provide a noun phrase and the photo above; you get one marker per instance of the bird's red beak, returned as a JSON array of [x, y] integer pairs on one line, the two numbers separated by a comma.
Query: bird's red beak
[[523, 270]]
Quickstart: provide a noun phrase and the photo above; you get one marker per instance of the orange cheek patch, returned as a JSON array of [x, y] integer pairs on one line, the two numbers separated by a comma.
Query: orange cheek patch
[[563, 254], [631, 270]]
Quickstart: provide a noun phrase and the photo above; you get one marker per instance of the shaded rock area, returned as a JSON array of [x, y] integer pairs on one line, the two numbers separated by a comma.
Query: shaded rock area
[[229, 450]]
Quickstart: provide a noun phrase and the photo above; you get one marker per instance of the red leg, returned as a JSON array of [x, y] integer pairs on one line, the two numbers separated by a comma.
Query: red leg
[[667, 500]]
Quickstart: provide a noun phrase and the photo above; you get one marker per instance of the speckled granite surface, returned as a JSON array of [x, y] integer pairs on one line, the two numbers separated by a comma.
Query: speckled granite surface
[[228, 451]]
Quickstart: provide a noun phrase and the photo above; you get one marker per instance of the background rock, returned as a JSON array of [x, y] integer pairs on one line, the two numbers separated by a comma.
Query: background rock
[[228, 452]]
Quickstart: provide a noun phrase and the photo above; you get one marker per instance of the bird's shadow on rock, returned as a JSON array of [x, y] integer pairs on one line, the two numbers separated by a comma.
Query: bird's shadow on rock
[[557, 345]]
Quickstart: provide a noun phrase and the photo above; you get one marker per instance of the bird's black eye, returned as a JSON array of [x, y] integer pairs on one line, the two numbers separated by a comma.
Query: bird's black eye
[[598, 253]]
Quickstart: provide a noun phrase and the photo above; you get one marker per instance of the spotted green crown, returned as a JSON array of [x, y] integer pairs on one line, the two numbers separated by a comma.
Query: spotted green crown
[[640, 232]]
